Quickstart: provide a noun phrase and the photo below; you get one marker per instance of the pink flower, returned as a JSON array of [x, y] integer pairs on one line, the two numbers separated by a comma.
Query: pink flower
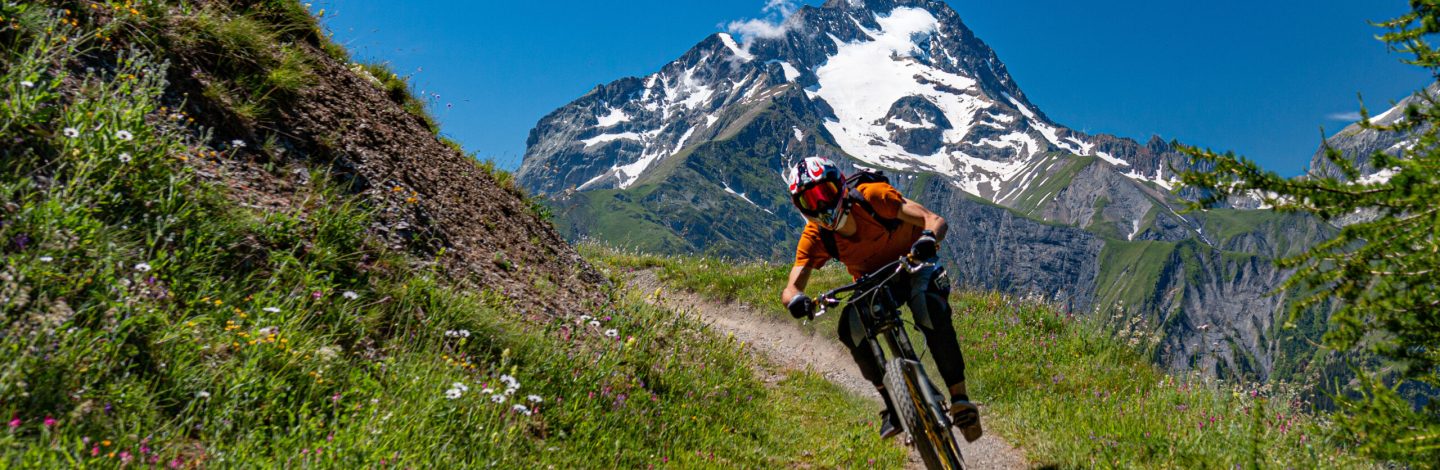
[[49, 422], [316, 294], [95, 451], [15, 423], [125, 456]]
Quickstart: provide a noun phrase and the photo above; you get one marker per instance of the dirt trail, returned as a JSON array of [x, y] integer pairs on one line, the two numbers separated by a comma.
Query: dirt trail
[[784, 343]]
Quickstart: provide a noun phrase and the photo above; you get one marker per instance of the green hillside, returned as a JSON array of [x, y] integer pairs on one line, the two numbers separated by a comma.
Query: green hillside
[[154, 316]]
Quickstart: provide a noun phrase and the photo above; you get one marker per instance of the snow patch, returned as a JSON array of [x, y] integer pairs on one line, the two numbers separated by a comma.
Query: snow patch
[[742, 196], [799, 134], [1111, 158], [603, 138], [1379, 177], [735, 48], [863, 79], [616, 116]]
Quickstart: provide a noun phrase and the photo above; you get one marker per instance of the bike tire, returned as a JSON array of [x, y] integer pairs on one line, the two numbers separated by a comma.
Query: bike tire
[[917, 402]]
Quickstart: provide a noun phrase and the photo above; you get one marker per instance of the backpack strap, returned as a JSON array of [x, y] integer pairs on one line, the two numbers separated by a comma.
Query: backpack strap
[[889, 223]]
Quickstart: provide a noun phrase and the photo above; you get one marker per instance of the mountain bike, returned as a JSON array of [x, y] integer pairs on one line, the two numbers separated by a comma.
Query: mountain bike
[[920, 405]]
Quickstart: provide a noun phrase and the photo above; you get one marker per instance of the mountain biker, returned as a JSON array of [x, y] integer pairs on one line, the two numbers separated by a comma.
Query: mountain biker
[[870, 224]]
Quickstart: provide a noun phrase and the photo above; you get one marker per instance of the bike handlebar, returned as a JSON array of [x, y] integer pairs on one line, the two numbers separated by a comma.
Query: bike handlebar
[[905, 263]]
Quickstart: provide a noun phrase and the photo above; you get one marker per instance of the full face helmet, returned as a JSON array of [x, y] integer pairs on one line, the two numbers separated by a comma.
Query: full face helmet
[[817, 188]]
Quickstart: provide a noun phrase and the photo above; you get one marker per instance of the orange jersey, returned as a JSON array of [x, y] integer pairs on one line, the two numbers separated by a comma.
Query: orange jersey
[[871, 246]]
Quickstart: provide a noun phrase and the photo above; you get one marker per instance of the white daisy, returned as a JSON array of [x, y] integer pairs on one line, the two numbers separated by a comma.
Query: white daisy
[[237, 143], [511, 390], [27, 84], [463, 333], [533, 398], [460, 386], [125, 158], [497, 398], [585, 318], [453, 393], [350, 295], [487, 391], [46, 259], [509, 381], [143, 267], [124, 135], [521, 409], [202, 394], [594, 323], [612, 332], [271, 309], [71, 132]]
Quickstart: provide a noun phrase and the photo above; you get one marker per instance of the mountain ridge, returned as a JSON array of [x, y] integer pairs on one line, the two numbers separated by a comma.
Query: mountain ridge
[[689, 160]]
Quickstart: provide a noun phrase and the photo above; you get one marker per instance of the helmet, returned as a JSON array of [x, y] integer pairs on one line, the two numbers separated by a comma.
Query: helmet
[[817, 188]]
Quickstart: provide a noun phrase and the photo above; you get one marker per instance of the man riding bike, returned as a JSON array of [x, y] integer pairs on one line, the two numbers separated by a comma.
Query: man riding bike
[[865, 223]]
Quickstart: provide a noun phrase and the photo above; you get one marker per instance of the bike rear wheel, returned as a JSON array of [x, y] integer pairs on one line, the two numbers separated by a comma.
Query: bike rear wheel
[[918, 403]]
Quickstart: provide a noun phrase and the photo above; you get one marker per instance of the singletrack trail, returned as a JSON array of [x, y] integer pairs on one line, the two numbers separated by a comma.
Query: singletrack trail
[[784, 343]]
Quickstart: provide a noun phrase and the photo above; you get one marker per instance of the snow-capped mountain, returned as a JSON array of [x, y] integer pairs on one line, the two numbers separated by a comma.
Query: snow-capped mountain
[[901, 85], [689, 160]]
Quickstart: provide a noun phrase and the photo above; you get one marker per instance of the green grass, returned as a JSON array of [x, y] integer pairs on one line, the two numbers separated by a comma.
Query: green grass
[[1067, 390], [149, 320]]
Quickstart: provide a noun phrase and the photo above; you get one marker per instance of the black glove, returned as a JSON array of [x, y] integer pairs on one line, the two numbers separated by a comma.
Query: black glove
[[925, 247], [801, 306]]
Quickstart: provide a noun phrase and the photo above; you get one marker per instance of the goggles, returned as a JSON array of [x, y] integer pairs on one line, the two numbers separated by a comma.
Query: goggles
[[824, 204], [822, 197]]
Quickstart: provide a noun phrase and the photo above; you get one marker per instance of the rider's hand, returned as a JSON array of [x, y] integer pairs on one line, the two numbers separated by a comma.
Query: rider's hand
[[925, 248], [801, 306]]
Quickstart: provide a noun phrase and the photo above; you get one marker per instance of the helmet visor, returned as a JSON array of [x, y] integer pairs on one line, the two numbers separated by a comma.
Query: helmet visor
[[819, 198]]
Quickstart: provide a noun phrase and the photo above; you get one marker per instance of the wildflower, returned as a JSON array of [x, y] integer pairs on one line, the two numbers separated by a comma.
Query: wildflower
[[202, 394], [487, 390], [125, 157], [143, 267], [237, 143], [49, 422], [271, 309], [15, 423], [124, 135], [533, 398], [521, 409], [585, 318], [511, 390], [594, 323], [350, 295], [27, 84], [462, 387], [612, 333], [453, 393], [497, 398], [71, 132], [46, 259], [509, 380]]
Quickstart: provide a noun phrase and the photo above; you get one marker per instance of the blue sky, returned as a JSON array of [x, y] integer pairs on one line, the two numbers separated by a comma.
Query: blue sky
[[1258, 77]]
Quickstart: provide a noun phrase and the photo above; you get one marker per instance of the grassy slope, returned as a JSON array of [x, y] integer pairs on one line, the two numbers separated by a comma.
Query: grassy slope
[[1063, 388], [149, 319]]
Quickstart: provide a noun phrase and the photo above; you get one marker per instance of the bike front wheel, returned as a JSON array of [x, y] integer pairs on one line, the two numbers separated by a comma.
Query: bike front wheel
[[918, 403]]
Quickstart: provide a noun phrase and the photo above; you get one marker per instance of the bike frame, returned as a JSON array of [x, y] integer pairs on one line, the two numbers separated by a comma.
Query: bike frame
[[884, 323]]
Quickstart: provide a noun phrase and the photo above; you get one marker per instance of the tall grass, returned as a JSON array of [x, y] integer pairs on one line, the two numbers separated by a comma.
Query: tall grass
[[1068, 390], [145, 319]]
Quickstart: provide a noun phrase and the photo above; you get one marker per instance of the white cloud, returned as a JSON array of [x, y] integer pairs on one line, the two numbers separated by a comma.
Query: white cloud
[[773, 24], [1351, 116]]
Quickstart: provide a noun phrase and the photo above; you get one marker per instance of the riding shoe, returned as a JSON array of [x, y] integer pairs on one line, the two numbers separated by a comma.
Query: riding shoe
[[889, 424], [963, 414]]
